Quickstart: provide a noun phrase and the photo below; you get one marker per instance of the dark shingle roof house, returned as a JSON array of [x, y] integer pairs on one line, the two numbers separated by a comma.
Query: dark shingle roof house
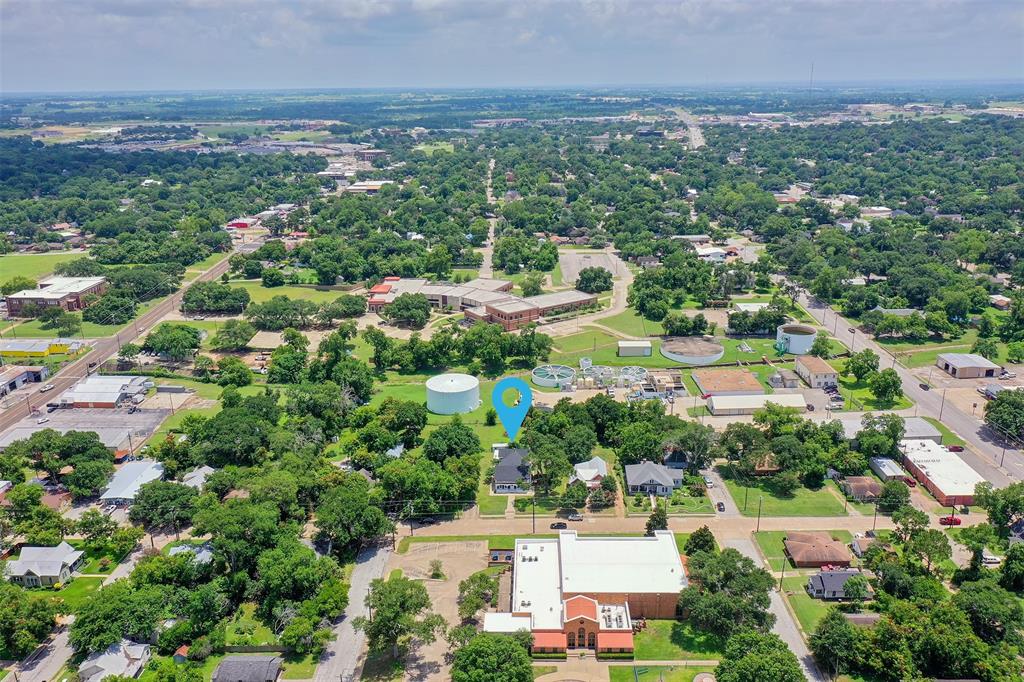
[[511, 467], [248, 669], [830, 584]]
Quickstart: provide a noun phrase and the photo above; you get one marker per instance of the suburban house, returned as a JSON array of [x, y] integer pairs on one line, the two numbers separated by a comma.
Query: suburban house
[[197, 477], [123, 659], [201, 554], [816, 372], [861, 488], [125, 483], [248, 669], [831, 584], [575, 592], [45, 566], [649, 478], [511, 471], [591, 472], [809, 550], [966, 365]]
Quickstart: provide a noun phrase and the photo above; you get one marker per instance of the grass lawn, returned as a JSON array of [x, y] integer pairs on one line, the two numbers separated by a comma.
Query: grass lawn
[[538, 671], [771, 546], [948, 437], [809, 611], [655, 673], [79, 590], [33, 265], [804, 502], [246, 629], [509, 541], [490, 505], [260, 294], [629, 322], [670, 640], [382, 668], [93, 559], [33, 329], [859, 397], [429, 148], [299, 667], [679, 505]]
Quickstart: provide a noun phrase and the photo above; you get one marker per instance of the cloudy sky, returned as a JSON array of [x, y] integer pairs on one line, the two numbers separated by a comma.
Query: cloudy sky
[[72, 45]]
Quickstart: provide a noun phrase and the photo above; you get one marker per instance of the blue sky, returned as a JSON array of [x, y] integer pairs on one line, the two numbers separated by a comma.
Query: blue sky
[[73, 45]]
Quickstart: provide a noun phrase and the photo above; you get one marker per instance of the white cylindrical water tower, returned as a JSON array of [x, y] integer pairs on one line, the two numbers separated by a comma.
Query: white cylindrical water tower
[[453, 393], [795, 338]]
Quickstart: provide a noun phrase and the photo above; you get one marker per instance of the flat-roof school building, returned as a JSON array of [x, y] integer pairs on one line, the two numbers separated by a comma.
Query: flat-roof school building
[[67, 292], [576, 592]]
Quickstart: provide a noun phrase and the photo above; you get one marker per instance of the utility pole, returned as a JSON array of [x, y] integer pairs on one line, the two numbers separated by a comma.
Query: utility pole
[[760, 499]]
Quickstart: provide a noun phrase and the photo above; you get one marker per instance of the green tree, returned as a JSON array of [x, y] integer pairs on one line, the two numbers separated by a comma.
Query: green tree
[[232, 371], [476, 592], [658, 520], [532, 284], [637, 442], [986, 348], [128, 352], [346, 516], [995, 614], [834, 642], [594, 280], [909, 520], [408, 310], [453, 439], [821, 347], [117, 611], [489, 657], [96, 528], [15, 284], [176, 341], [26, 619], [1005, 413], [233, 335], [401, 615], [861, 365], [701, 540], [164, 505], [752, 656], [272, 277], [886, 386], [931, 546], [727, 592]]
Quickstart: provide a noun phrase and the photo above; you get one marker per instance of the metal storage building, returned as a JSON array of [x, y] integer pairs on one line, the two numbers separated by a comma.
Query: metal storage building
[[631, 349]]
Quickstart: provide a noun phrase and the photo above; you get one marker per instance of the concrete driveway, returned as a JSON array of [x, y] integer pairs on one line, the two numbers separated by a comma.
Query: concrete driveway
[[719, 493]]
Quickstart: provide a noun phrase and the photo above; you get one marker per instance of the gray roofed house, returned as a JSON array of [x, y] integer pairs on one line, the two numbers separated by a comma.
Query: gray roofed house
[[44, 566], [590, 472], [202, 554], [127, 480], [197, 477], [651, 478], [511, 472], [124, 659], [248, 669], [831, 584]]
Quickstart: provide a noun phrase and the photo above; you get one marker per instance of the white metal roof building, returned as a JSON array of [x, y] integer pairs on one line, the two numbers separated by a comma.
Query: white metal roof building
[[100, 390], [885, 468], [950, 479], [634, 348], [725, 405], [966, 365], [57, 288], [126, 481]]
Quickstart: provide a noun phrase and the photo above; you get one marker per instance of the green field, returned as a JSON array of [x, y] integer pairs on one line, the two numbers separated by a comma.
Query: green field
[[670, 640], [809, 611], [79, 590], [245, 629], [33, 329], [33, 265], [771, 546], [859, 397], [260, 294], [804, 502], [429, 148], [948, 437], [655, 673]]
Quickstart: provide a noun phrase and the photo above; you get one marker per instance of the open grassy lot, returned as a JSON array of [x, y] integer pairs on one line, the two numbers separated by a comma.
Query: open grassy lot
[[803, 502], [655, 673], [245, 629], [429, 148], [260, 294], [809, 611], [33, 329], [78, 590], [858, 395], [771, 546], [670, 640], [299, 667], [948, 437], [679, 504], [33, 265]]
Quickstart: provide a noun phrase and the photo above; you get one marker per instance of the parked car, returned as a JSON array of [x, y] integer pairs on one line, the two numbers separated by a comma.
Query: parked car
[[950, 521], [50, 408], [575, 517], [426, 520], [720, 506], [47, 387], [559, 525], [708, 482], [910, 482], [955, 448], [42, 420]]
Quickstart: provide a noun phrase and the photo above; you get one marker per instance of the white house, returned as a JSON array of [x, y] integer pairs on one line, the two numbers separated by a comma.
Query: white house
[[124, 659], [45, 566], [651, 478], [591, 472]]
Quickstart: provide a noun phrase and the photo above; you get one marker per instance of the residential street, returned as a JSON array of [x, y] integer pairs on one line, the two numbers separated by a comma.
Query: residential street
[[985, 452], [46, 662], [342, 661]]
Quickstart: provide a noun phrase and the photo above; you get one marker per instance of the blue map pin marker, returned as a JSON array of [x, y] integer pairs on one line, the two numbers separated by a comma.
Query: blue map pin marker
[[512, 417]]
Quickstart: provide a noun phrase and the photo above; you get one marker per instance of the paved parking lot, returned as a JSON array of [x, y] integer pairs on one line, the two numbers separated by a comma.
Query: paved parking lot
[[115, 427], [574, 261]]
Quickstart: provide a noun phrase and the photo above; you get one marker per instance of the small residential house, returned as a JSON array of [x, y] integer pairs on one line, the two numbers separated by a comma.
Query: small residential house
[[511, 470], [201, 554], [861, 488], [197, 477], [649, 478], [591, 472], [831, 584], [809, 550], [248, 669], [123, 659], [45, 566]]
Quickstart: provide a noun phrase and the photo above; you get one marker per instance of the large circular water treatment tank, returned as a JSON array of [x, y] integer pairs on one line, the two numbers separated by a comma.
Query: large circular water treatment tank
[[553, 376], [453, 393], [692, 350], [795, 338]]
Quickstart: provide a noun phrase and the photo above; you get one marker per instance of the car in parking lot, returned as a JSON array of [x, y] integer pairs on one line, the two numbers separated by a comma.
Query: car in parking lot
[[720, 506], [559, 525], [950, 521]]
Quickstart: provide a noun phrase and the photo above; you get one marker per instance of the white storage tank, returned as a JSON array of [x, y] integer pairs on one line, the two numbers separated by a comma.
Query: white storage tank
[[795, 338], [453, 393]]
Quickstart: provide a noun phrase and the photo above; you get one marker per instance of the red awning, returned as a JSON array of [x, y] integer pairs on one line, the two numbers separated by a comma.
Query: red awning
[[554, 640], [614, 640], [380, 289]]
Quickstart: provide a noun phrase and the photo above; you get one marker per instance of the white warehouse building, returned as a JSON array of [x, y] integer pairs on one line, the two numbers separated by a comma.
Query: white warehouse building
[[453, 393]]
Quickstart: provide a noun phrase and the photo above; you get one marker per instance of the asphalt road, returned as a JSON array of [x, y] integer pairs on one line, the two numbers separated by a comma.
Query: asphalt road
[[986, 454], [102, 350]]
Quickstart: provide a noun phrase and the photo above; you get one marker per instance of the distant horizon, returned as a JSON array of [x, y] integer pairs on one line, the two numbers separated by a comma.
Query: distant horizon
[[73, 46]]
